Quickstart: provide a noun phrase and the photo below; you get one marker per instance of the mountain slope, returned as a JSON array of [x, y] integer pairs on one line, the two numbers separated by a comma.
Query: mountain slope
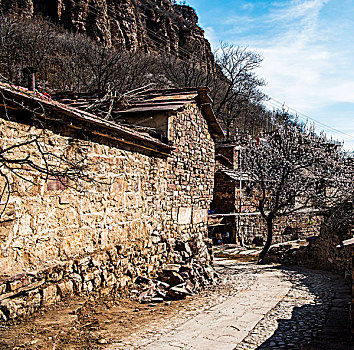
[[154, 25]]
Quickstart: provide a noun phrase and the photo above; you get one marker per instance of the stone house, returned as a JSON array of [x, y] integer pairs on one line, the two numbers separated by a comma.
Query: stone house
[[64, 235], [234, 218]]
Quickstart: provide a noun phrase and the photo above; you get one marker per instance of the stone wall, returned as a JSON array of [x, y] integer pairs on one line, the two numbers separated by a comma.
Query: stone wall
[[333, 250], [326, 250], [190, 172], [227, 155], [56, 241], [287, 228], [252, 228]]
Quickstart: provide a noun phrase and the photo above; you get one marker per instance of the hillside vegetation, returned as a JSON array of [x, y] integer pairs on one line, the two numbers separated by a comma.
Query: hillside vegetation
[[118, 46]]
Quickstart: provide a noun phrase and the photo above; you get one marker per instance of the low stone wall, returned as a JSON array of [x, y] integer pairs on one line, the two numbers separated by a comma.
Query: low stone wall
[[253, 228], [340, 259], [333, 250], [103, 272], [287, 228]]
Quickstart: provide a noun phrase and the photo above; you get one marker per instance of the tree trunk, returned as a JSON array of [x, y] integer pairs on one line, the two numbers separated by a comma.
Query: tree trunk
[[228, 127], [269, 220]]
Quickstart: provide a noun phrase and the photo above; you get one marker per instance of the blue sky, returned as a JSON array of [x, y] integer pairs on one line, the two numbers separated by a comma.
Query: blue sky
[[308, 52]]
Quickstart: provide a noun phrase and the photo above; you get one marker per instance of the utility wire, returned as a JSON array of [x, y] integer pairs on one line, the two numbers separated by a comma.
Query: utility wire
[[302, 118], [310, 118], [278, 105]]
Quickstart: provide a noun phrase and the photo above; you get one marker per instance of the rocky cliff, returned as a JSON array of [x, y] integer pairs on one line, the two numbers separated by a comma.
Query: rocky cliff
[[153, 25]]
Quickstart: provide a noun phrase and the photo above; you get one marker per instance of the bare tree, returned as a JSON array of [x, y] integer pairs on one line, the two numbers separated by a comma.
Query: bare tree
[[239, 86], [233, 83], [26, 43], [293, 169], [8, 52], [187, 72], [31, 157], [68, 61]]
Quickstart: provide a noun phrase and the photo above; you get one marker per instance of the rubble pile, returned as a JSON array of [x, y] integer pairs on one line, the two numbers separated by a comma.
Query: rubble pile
[[175, 281]]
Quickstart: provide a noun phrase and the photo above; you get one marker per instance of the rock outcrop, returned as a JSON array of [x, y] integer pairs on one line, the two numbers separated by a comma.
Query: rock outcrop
[[152, 25]]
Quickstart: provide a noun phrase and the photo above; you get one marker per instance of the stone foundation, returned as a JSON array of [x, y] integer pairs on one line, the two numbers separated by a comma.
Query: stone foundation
[[104, 272]]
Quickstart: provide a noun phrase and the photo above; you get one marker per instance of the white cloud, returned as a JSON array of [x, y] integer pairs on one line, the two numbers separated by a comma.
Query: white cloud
[[307, 49], [248, 6], [297, 10], [211, 36], [299, 62]]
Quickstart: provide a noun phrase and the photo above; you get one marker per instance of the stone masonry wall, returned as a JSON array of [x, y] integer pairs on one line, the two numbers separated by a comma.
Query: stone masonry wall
[[225, 195], [287, 228], [252, 228], [190, 172], [56, 241], [327, 251]]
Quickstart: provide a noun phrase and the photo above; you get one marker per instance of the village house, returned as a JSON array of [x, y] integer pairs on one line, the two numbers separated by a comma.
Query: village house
[[234, 218], [137, 188]]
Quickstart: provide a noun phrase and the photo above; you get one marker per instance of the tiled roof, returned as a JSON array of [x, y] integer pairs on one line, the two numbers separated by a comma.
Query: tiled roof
[[173, 100], [149, 101], [234, 174], [18, 98]]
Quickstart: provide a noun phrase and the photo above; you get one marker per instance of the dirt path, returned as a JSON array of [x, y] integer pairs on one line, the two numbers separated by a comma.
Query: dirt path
[[252, 308]]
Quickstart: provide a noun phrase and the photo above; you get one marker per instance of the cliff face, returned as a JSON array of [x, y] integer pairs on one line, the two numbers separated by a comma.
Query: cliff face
[[154, 25]]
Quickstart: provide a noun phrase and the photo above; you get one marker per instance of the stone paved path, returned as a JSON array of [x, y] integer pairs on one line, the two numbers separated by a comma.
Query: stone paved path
[[226, 324], [272, 308]]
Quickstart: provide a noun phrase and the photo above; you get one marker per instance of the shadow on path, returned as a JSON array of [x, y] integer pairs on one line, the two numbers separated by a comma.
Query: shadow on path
[[320, 323]]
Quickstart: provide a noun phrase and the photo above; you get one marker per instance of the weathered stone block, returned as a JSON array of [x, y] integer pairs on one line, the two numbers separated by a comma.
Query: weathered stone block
[[68, 267], [110, 280], [12, 308], [33, 301], [171, 267], [50, 295], [88, 276], [2, 317], [55, 276], [66, 288], [150, 268], [87, 287], [161, 247], [84, 261], [184, 216], [77, 281], [175, 213], [3, 288], [200, 215], [99, 260], [124, 281], [155, 239], [15, 285]]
